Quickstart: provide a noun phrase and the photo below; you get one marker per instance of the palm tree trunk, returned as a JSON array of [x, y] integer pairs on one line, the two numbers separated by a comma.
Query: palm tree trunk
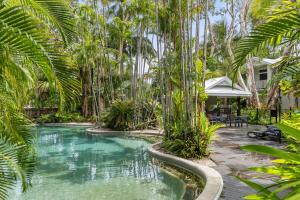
[[205, 50], [183, 71], [197, 48]]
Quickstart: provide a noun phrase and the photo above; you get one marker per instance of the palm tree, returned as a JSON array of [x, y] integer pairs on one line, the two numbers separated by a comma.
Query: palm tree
[[281, 33], [33, 37]]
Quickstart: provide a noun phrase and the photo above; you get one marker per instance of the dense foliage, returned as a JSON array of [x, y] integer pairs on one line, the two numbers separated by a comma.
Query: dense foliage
[[122, 115], [196, 143], [287, 168], [62, 118], [33, 36], [279, 32], [141, 64]]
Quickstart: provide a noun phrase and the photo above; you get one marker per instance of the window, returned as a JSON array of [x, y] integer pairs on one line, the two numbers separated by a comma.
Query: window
[[263, 74]]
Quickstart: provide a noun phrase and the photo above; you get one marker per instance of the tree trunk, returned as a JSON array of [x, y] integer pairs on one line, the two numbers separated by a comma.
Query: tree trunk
[[120, 59], [197, 48], [212, 38], [231, 11], [205, 51], [136, 66], [273, 91], [86, 93], [254, 99]]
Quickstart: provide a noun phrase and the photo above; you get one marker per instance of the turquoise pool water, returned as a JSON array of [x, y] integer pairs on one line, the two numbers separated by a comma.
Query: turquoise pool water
[[76, 166]]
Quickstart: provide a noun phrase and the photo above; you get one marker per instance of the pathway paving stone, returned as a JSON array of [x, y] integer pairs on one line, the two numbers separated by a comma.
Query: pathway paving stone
[[231, 161]]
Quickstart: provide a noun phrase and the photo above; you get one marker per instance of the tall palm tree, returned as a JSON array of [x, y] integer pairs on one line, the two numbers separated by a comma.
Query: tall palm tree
[[33, 37]]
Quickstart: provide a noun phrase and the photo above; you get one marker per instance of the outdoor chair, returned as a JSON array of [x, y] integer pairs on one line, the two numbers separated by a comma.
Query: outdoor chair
[[214, 119], [224, 119], [240, 120], [271, 132]]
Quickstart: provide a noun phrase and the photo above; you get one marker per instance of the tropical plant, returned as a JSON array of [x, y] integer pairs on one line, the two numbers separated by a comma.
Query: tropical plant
[[123, 113], [206, 134], [292, 120], [17, 164], [119, 116], [33, 37], [279, 32], [61, 118], [17, 155], [196, 143], [287, 168]]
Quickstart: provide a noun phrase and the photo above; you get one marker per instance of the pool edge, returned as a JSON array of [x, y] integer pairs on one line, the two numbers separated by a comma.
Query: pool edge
[[213, 180], [96, 131]]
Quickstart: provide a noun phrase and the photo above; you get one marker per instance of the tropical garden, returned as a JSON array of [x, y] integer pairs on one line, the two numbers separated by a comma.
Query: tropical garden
[[142, 64]]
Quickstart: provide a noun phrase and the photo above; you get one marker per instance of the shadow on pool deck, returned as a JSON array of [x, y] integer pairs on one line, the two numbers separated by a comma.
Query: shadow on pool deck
[[232, 161]]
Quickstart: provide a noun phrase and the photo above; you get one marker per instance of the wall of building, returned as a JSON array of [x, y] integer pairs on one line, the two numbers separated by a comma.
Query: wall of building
[[287, 101]]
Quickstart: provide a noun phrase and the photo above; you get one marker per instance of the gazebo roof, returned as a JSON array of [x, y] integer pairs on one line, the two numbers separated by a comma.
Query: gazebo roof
[[223, 87]]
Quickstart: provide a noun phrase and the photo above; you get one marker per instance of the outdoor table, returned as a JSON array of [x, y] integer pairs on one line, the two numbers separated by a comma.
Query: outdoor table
[[239, 120]]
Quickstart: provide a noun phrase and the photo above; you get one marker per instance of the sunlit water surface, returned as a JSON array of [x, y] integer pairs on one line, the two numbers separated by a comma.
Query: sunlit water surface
[[75, 166]]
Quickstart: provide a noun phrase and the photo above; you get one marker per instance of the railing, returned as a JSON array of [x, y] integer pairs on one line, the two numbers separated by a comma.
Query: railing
[[37, 112]]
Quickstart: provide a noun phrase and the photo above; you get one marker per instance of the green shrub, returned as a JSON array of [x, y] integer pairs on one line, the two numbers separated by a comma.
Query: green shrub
[[124, 115], [146, 115], [120, 116], [292, 120], [263, 116], [286, 168], [193, 143], [49, 118], [61, 118]]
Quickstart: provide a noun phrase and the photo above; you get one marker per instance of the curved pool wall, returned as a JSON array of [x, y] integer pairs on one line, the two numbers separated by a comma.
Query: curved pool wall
[[74, 165], [213, 180]]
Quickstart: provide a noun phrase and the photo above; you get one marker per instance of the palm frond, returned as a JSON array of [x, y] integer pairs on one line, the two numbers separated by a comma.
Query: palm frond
[[271, 33], [24, 40], [54, 12], [12, 162]]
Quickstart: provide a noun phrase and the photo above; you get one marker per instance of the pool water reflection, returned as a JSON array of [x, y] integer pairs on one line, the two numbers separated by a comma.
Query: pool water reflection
[[75, 166]]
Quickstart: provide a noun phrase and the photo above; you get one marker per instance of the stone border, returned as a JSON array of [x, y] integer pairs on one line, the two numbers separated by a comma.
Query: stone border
[[95, 131], [70, 124], [213, 180]]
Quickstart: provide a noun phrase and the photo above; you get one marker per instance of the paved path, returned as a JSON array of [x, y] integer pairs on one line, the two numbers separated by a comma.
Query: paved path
[[231, 161]]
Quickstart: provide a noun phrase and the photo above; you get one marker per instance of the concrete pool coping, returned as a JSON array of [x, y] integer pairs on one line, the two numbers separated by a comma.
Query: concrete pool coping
[[213, 179], [97, 131], [69, 124]]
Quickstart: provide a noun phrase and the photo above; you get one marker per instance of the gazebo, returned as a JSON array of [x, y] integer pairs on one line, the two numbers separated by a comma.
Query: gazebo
[[223, 87]]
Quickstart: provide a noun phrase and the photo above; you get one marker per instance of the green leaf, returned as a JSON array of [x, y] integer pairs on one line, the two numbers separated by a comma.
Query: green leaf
[[272, 152], [263, 191], [289, 131]]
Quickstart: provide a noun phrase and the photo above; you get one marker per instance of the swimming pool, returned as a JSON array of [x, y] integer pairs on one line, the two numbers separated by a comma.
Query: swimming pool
[[75, 166]]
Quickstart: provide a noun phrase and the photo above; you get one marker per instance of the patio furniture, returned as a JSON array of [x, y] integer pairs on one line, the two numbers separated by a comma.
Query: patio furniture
[[240, 120], [214, 119], [271, 132]]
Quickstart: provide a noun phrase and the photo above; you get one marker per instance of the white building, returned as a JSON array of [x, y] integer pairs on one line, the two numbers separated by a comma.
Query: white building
[[263, 74], [224, 88]]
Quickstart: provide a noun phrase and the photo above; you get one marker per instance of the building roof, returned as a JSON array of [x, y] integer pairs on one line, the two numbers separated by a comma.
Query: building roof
[[265, 61], [223, 87]]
